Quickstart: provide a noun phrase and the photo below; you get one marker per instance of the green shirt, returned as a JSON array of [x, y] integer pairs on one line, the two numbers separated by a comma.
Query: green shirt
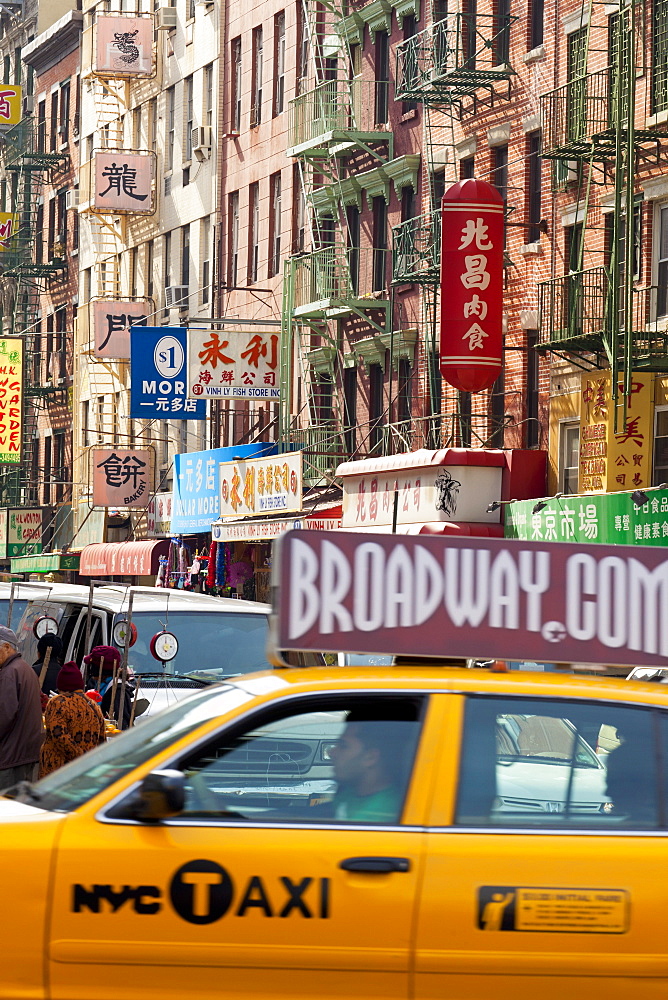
[[381, 807]]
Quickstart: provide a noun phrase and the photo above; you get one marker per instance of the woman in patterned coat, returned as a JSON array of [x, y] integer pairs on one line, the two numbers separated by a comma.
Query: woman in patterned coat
[[73, 723]]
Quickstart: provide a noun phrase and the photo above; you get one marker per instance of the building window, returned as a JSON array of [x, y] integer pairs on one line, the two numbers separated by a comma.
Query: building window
[[464, 417], [167, 259], [662, 264], [233, 239], [324, 398], [235, 116], [253, 232], [660, 52], [379, 242], [41, 126], [256, 82], [302, 47], [576, 98], [189, 118], [279, 63], [466, 168], [150, 261], [535, 23], [46, 470], [171, 133], [502, 32], [497, 416], [500, 178], [408, 32], [133, 271], [153, 124], [660, 464], [275, 224], [350, 410], [205, 257], [64, 124], [382, 70], [533, 373], [354, 232], [39, 233], [569, 456], [207, 93], [376, 407], [533, 186], [404, 395], [53, 123], [298, 212], [185, 259]]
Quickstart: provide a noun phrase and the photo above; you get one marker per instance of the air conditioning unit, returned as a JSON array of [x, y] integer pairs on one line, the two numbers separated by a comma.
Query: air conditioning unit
[[204, 3], [72, 199], [176, 296], [165, 19], [28, 104], [202, 138]]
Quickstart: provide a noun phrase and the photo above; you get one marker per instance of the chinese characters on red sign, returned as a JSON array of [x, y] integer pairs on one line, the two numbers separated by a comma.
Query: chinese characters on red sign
[[471, 285], [233, 364], [11, 400], [111, 325]]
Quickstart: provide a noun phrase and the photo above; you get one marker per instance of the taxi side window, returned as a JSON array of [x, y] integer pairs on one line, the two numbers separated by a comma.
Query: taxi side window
[[342, 760], [550, 763]]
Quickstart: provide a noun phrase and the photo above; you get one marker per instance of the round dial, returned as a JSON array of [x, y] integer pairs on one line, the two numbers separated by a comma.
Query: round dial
[[44, 626], [164, 646]]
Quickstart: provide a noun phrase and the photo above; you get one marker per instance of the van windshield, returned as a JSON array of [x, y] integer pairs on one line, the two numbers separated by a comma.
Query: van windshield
[[212, 645]]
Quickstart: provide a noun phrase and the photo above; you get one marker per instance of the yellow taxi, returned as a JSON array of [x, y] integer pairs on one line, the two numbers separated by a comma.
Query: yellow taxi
[[374, 833]]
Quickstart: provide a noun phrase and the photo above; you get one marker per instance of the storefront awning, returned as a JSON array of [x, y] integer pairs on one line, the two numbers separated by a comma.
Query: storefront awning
[[123, 558], [326, 518], [48, 562], [458, 529]]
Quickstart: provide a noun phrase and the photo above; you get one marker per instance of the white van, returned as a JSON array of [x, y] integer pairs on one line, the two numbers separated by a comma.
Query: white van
[[218, 637]]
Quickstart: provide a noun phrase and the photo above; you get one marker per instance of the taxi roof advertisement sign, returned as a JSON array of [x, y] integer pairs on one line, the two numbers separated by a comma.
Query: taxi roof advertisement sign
[[470, 597]]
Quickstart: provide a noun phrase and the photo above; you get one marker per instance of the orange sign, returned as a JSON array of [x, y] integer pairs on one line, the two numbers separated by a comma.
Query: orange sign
[[614, 460], [11, 400], [11, 110], [121, 478]]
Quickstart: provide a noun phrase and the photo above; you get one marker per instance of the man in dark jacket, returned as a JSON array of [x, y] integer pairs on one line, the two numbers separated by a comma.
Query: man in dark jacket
[[55, 643], [21, 731]]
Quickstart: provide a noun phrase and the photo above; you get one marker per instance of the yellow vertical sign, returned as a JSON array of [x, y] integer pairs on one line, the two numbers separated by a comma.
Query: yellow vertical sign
[[614, 460], [10, 103], [9, 223], [11, 400]]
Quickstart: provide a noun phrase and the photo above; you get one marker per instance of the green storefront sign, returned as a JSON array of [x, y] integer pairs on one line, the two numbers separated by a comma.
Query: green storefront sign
[[51, 562], [608, 518]]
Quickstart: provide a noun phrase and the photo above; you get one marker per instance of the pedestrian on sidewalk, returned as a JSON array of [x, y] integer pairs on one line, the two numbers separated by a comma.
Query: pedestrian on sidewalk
[[21, 731], [73, 722]]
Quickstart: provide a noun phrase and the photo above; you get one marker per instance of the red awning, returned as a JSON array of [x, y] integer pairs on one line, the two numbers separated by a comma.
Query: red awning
[[123, 558]]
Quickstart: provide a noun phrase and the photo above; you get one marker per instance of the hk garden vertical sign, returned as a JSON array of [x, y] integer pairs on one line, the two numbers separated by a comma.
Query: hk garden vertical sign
[[11, 400]]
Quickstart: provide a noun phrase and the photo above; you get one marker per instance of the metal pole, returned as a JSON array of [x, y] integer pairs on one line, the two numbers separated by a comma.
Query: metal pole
[[395, 511], [11, 606], [89, 616], [124, 667]]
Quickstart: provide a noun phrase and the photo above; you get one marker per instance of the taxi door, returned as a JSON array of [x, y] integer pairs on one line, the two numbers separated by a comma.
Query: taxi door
[[541, 877], [224, 904]]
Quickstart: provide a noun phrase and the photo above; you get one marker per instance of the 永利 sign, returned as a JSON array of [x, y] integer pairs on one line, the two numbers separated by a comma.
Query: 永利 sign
[[158, 368]]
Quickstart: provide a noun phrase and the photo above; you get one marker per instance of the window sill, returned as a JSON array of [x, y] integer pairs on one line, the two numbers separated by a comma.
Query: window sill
[[409, 115], [534, 54], [531, 250], [657, 119]]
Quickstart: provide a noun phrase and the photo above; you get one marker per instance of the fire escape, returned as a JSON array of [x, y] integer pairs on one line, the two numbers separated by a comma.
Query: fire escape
[[28, 165], [594, 131], [458, 63], [344, 152]]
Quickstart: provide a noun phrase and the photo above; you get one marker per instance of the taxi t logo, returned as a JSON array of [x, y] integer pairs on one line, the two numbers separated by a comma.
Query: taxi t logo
[[202, 892]]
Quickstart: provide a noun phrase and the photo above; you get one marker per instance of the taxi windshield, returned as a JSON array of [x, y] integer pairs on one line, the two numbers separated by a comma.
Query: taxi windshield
[[77, 782], [213, 645]]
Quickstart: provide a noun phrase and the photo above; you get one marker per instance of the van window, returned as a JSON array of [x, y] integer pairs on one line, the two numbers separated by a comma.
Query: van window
[[212, 644], [559, 763], [65, 614]]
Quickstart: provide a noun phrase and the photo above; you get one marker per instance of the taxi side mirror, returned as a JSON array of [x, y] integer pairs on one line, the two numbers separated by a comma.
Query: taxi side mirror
[[161, 795]]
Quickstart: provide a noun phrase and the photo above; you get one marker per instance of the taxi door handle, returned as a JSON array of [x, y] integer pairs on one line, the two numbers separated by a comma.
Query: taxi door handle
[[378, 865]]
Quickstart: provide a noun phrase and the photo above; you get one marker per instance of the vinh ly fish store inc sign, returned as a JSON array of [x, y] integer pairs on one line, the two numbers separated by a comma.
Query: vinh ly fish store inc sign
[[470, 597]]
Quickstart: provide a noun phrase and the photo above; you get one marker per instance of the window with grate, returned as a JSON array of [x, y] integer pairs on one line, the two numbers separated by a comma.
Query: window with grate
[[497, 408], [576, 110], [350, 410], [660, 56], [533, 370], [502, 32], [354, 233], [376, 407]]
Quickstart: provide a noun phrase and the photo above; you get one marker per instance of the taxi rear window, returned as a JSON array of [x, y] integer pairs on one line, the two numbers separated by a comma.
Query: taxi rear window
[[552, 763]]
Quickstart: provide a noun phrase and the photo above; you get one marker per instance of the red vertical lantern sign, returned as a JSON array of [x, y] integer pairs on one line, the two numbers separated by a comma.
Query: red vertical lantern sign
[[471, 285]]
